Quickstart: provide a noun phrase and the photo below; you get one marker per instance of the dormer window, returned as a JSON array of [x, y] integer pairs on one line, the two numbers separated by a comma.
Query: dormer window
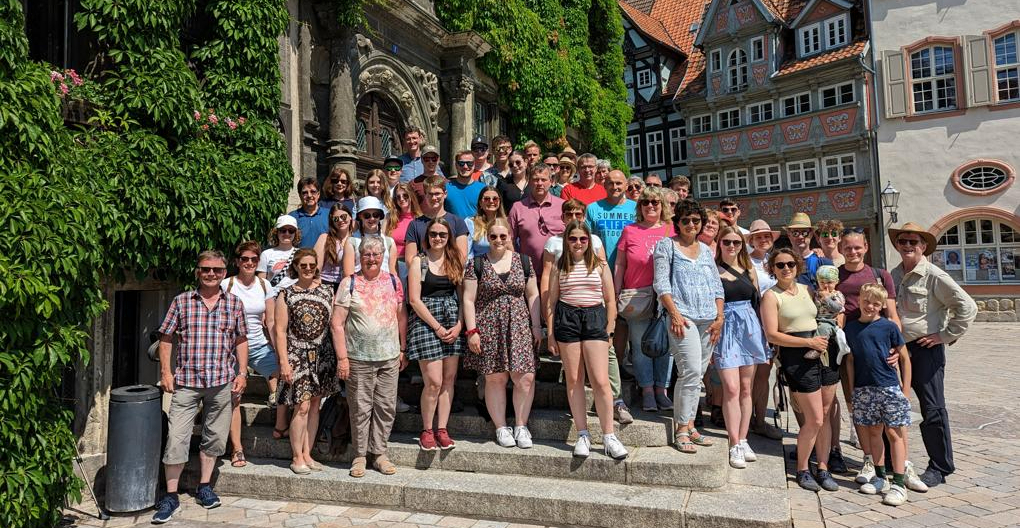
[[644, 78], [738, 69], [757, 49], [810, 39], [836, 33], [716, 60]]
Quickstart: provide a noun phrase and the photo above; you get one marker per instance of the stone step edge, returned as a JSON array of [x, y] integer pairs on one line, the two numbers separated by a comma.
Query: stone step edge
[[651, 466]]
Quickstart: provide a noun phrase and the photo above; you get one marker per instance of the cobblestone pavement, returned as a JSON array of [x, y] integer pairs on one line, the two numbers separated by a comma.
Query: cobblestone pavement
[[981, 396]]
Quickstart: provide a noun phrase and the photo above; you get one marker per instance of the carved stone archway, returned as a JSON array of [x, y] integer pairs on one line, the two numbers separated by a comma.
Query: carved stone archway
[[414, 90]]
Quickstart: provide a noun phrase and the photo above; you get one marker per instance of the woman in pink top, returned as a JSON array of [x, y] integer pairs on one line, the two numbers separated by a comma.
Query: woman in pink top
[[633, 277], [405, 209]]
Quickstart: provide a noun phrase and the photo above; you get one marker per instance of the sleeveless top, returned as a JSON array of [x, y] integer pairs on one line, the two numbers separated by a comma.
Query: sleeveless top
[[796, 312], [437, 285], [739, 289], [331, 272], [580, 288]]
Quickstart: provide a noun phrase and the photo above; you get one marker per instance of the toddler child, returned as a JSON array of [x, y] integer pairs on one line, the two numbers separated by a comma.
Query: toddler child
[[829, 302]]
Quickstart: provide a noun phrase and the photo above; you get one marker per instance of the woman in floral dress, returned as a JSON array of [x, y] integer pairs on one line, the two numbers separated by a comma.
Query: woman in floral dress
[[307, 361], [501, 314]]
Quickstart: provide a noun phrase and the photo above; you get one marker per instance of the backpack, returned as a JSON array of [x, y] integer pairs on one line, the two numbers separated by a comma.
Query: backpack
[[262, 282]]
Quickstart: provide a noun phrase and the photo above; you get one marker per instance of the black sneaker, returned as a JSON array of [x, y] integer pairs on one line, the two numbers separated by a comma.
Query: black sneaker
[[836, 462], [206, 497], [825, 480], [806, 481], [932, 477], [166, 508]]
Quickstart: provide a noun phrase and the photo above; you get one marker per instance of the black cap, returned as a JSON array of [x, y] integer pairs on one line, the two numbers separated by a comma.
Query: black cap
[[479, 140], [393, 159]]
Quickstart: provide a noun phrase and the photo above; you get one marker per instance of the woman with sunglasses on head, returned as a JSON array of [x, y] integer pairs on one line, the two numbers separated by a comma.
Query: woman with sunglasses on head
[[788, 314], [564, 175], [257, 296], [582, 322], [489, 209], [375, 185], [329, 249], [308, 366], [742, 346], [274, 261], [828, 233], [634, 187], [633, 279], [512, 188], [338, 188], [689, 289], [405, 205], [369, 223], [435, 285], [710, 230], [503, 329]]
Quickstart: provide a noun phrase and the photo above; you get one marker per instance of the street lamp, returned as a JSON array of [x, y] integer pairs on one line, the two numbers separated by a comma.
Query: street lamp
[[890, 201]]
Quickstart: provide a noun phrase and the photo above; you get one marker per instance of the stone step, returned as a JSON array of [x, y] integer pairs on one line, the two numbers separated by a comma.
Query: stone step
[[647, 430], [660, 466], [548, 395], [519, 498]]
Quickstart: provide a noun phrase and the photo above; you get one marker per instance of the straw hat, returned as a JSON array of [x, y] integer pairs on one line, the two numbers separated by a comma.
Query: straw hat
[[761, 226], [799, 221], [911, 227]]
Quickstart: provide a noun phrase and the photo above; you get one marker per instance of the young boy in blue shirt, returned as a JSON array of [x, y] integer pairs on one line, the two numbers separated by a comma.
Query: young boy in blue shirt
[[880, 397]]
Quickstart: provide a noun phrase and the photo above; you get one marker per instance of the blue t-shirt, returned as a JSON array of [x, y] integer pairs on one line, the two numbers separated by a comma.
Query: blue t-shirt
[[607, 221], [413, 168], [870, 344], [462, 199], [416, 230], [811, 265], [311, 226]]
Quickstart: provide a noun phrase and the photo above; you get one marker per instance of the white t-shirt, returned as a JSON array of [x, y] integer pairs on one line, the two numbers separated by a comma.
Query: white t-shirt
[[555, 246], [254, 298], [274, 262], [356, 245]]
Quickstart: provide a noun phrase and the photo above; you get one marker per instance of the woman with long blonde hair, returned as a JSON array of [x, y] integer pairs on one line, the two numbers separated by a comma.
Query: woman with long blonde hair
[[375, 185], [489, 208]]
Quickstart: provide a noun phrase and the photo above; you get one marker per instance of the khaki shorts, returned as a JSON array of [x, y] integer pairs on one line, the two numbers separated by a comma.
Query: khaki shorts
[[184, 405]]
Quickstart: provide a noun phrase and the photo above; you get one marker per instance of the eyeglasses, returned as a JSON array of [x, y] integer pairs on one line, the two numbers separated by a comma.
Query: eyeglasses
[[286, 231], [499, 237], [576, 239], [690, 220], [829, 234], [310, 192], [729, 210], [307, 266], [858, 230], [731, 242], [465, 163], [543, 228], [650, 202], [374, 215], [800, 232], [371, 256], [341, 219], [908, 241], [635, 187], [402, 196], [394, 168], [786, 264], [437, 234], [494, 199], [212, 269], [246, 260]]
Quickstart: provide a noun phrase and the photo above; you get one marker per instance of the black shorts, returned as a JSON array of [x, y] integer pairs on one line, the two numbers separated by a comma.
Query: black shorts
[[806, 375], [572, 324]]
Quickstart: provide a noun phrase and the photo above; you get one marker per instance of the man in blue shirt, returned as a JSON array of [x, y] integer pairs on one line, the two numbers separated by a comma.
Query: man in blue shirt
[[799, 231], [312, 218], [462, 193], [608, 217], [414, 140]]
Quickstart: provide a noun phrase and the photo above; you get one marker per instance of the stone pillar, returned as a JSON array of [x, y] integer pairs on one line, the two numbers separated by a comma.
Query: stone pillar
[[342, 144], [460, 94], [308, 122], [93, 380]]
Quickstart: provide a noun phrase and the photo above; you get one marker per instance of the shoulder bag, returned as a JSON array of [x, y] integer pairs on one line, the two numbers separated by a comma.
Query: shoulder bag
[[655, 340]]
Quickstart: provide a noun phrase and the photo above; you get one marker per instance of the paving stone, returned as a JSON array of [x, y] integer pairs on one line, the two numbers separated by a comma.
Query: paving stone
[[850, 521], [390, 515], [330, 510], [424, 518], [456, 522], [297, 507]]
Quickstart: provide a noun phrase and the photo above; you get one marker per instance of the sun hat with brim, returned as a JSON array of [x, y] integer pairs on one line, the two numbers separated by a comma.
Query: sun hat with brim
[[911, 227], [370, 202], [761, 226], [799, 221], [565, 160], [286, 220]]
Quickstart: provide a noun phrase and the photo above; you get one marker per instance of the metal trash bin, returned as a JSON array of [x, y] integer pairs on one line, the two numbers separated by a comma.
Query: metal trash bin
[[133, 448]]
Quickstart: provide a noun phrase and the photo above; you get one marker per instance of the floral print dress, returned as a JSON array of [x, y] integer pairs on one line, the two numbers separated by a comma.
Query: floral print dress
[[309, 349], [504, 321]]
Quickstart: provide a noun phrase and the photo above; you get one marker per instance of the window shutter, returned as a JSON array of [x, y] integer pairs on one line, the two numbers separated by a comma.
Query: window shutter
[[895, 84], [978, 71]]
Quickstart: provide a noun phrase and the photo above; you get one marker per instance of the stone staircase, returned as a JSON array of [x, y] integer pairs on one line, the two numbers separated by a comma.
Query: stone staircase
[[656, 486]]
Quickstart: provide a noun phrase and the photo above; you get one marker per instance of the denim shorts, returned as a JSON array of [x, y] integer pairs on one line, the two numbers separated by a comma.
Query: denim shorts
[[881, 406], [262, 359]]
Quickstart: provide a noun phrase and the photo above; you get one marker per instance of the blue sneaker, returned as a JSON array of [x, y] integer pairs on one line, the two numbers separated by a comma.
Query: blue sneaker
[[206, 497], [166, 508]]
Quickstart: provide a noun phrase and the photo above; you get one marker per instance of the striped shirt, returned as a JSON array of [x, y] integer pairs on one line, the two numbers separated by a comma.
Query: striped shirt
[[580, 288], [206, 338]]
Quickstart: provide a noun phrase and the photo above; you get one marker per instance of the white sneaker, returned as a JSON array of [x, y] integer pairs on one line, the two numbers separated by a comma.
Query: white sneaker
[[614, 447], [737, 460], [913, 482], [749, 454], [523, 437], [505, 437], [867, 471], [582, 448], [896, 496], [873, 487]]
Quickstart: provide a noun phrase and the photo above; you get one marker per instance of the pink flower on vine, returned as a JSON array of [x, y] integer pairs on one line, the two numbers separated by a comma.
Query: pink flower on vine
[[241, 120], [55, 76], [213, 119], [205, 127], [75, 78], [64, 89], [198, 115], [231, 124]]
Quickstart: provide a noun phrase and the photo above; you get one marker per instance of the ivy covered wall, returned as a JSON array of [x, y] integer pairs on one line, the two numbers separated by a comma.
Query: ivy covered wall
[[181, 155]]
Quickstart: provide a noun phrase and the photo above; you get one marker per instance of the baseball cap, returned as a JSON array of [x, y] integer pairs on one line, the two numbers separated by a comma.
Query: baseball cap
[[429, 149], [286, 220], [479, 140], [392, 160]]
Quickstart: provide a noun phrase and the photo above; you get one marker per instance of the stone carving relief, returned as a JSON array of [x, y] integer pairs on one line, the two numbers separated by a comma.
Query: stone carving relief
[[429, 83], [381, 78], [458, 88]]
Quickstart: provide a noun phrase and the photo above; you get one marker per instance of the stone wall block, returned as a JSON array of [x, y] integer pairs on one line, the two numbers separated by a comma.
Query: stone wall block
[[992, 305]]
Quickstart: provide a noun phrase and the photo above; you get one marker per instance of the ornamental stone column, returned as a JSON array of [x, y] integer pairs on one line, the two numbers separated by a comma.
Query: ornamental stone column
[[460, 91], [342, 144]]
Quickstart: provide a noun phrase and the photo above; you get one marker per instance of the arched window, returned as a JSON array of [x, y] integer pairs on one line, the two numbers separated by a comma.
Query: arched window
[[738, 68], [982, 177], [979, 250]]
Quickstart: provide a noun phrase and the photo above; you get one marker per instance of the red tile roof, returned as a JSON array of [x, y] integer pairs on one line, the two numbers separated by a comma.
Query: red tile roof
[[648, 25], [846, 52], [785, 10], [673, 19]]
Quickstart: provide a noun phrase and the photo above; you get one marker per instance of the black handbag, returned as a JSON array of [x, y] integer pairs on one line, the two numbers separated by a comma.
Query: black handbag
[[655, 340]]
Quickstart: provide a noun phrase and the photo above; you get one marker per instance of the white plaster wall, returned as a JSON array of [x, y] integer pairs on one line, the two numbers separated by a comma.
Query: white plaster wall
[[919, 157]]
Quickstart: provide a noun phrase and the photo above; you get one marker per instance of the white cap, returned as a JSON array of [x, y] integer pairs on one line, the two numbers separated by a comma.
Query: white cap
[[370, 202], [286, 220]]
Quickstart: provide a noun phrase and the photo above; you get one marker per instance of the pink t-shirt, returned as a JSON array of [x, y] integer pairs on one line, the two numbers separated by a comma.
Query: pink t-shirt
[[400, 232], [636, 245]]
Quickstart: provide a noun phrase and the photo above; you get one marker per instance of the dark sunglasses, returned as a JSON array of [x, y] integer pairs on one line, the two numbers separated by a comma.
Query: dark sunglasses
[[479, 148], [689, 221], [307, 266], [650, 202], [375, 215], [575, 239], [338, 180], [499, 237], [858, 230], [517, 163], [430, 159], [490, 199], [830, 234], [908, 241], [212, 269], [729, 210], [394, 168], [339, 219], [634, 187], [731, 242], [800, 232], [437, 234], [286, 231], [788, 264], [247, 259], [465, 163]]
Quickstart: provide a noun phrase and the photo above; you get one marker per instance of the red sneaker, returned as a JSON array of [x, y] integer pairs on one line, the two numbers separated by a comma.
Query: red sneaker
[[443, 437], [427, 441]]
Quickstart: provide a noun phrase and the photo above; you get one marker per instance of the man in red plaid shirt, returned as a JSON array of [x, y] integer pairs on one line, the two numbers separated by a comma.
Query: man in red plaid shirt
[[212, 365]]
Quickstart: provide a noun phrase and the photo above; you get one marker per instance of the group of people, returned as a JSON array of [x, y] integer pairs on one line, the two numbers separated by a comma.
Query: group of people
[[501, 262]]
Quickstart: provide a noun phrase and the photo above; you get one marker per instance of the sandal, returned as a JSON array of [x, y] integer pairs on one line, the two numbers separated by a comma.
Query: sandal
[[237, 459], [700, 439], [280, 434], [358, 467], [684, 446]]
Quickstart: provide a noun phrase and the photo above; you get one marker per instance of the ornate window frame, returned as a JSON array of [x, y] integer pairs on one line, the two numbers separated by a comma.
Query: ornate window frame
[[973, 164]]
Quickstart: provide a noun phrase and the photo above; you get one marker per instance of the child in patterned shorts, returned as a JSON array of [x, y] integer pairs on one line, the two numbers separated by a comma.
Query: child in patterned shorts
[[881, 394]]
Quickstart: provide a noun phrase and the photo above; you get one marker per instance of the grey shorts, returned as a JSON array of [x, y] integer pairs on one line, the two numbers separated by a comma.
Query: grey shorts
[[184, 405], [881, 406]]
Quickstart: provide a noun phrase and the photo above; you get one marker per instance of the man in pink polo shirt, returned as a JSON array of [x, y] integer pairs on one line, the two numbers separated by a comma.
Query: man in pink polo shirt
[[585, 189], [536, 218]]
